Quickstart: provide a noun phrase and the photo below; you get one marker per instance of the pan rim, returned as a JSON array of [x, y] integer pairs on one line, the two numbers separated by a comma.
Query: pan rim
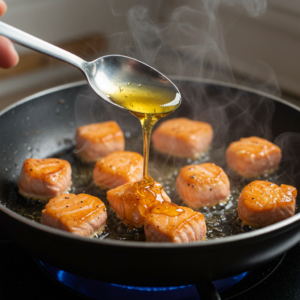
[[131, 244]]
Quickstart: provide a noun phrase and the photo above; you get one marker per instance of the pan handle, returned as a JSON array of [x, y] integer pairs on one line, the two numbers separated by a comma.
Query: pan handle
[[34, 43]]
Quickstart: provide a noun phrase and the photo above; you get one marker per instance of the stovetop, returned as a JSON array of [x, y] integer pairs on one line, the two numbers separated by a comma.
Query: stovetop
[[22, 278]]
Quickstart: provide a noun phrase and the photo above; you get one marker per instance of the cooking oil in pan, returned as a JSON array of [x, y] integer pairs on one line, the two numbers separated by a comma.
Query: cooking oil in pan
[[221, 220]]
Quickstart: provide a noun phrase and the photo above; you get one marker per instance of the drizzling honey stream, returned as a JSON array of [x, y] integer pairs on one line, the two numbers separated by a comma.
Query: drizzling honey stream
[[149, 104]]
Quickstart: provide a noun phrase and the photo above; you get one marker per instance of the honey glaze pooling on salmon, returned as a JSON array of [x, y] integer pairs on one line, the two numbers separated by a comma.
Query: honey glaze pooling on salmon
[[149, 104], [167, 208], [151, 197]]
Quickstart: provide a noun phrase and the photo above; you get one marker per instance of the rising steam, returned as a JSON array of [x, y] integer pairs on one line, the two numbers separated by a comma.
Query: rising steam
[[184, 40]]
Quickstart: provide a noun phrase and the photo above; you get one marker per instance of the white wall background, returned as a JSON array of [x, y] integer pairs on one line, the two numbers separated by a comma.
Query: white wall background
[[59, 20]]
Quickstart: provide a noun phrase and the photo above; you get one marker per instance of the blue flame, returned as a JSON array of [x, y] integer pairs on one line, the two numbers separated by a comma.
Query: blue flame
[[100, 290], [150, 289]]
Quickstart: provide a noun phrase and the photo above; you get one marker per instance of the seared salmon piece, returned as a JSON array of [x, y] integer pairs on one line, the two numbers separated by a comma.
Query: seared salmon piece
[[253, 156], [182, 137], [263, 203], [44, 179], [118, 168], [168, 222], [202, 185], [82, 215], [94, 141], [132, 201]]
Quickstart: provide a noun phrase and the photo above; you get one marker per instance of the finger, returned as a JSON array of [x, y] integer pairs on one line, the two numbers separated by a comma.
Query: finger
[[3, 8], [8, 55]]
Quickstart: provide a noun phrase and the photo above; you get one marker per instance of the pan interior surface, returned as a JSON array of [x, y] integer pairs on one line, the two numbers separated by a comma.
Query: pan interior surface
[[46, 125]]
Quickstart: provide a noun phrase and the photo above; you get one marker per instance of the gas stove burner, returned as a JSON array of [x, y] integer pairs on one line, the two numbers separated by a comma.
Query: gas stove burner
[[105, 291]]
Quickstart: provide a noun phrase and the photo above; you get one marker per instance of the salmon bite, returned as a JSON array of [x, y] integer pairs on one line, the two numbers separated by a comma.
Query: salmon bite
[[82, 215], [133, 201], [94, 141], [118, 168], [169, 222], [182, 137], [263, 203], [202, 185], [44, 178], [253, 157]]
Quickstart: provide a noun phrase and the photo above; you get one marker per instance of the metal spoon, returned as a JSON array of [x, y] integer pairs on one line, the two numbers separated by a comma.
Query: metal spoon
[[104, 74]]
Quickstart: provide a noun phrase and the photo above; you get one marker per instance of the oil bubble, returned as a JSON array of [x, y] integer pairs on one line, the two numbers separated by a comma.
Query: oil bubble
[[127, 134]]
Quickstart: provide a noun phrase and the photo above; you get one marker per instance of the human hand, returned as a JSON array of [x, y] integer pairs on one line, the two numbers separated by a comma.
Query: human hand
[[8, 55]]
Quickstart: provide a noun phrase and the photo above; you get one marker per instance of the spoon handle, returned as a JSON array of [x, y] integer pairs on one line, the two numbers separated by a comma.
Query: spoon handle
[[34, 43]]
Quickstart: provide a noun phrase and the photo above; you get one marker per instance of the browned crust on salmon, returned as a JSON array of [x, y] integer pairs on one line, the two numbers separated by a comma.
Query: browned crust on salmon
[[128, 205], [44, 179], [202, 185], [253, 156], [185, 228], [97, 140], [263, 203], [182, 137], [82, 214], [118, 168]]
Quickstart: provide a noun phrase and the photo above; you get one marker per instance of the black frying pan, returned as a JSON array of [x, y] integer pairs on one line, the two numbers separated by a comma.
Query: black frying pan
[[44, 124]]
